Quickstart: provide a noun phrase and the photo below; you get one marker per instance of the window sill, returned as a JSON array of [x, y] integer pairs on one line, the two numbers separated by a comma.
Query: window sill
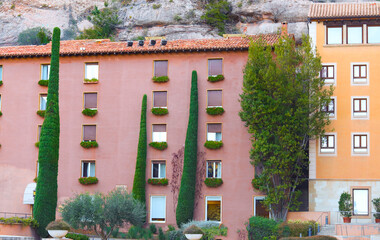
[[353, 45]]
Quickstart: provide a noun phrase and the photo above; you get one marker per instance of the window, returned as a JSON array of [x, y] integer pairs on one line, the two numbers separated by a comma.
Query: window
[[157, 208], [159, 133], [39, 132], [158, 169], [1, 73], [330, 108], [360, 143], [215, 67], [214, 98], [37, 168], [334, 35], [259, 208], [213, 208], [360, 198], [90, 100], [327, 143], [0, 102], [214, 169], [45, 71], [373, 34], [43, 101], [160, 68], [214, 132], [354, 34], [88, 169], [160, 99], [328, 73], [359, 73], [360, 107], [92, 71], [89, 133]]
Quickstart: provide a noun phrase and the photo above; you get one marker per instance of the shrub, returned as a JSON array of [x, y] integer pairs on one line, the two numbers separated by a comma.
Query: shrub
[[160, 79], [345, 205], [171, 228], [319, 237], [193, 230], [217, 14], [58, 225], [260, 228], [37, 144], [216, 78], [160, 111], [158, 181], [1, 83], [41, 113], [24, 221], [376, 204], [88, 180], [153, 228], [161, 235], [213, 144], [75, 236], [159, 145], [92, 144], [156, 6], [92, 80], [1, 113], [34, 36], [90, 112], [296, 227], [213, 182], [211, 229], [215, 110], [43, 83], [176, 235]]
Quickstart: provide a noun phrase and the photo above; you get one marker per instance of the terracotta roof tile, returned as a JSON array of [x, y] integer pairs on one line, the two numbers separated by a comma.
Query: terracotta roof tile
[[343, 10]]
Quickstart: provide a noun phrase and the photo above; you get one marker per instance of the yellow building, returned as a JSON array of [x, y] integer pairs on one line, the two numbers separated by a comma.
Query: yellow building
[[347, 36]]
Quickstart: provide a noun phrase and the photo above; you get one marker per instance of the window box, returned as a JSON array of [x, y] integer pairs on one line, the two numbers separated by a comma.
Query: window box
[[213, 144], [92, 144], [35, 180], [161, 79], [213, 182], [215, 78], [158, 181], [159, 145], [41, 113], [37, 144], [44, 83], [214, 110], [160, 111], [92, 80], [88, 180], [90, 112]]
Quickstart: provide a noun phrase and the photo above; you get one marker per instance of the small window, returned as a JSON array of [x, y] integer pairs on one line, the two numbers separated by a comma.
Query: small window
[[213, 208], [330, 108], [373, 34], [259, 207], [335, 35], [89, 133], [360, 198], [39, 132], [160, 68], [45, 71], [158, 169], [214, 169], [159, 133], [327, 143], [328, 73], [360, 107], [359, 73], [1, 73], [0, 102], [214, 98], [88, 169], [157, 208], [360, 144], [354, 34], [92, 71], [215, 67], [160, 99], [214, 132], [90, 100], [37, 168], [43, 101]]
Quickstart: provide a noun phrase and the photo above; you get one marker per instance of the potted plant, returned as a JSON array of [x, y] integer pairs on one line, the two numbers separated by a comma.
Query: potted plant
[[376, 204], [345, 207], [193, 232], [58, 229]]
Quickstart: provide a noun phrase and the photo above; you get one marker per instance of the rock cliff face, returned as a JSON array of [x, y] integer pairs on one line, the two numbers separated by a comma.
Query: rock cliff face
[[171, 18]]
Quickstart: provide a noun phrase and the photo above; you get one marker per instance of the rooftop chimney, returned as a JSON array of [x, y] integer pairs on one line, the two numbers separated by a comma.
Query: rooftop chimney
[[130, 43], [152, 42], [163, 42], [284, 28], [141, 43]]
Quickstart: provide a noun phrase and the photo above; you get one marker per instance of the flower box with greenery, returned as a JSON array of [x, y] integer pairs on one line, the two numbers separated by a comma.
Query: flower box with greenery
[[213, 144], [213, 182], [345, 207], [58, 229], [41, 113], [92, 80], [376, 204], [89, 112], [88, 180], [159, 145], [158, 181], [37, 144], [160, 111], [89, 144], [216, 78], [44, 83], [160, 79], [17, 220], [214, 110], [193, 232]]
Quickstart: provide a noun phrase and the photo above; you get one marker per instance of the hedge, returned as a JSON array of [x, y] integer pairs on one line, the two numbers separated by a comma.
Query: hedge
[[88, 180], [92, 80], [213, 182], [213, 144], [41, 113], [75, 236], [215, 110], [44, 83], [92, 144], [159, 145], [160, 79], [216, 78], [90, 112], [158, 181], [160, 111]]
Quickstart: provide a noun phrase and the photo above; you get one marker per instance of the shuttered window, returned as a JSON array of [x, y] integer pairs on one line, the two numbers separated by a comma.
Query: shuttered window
[[89, 133], [160, 68], [90, 100], [215, 67], [214, 132], [160, 99], [159, 133], [214, 98]]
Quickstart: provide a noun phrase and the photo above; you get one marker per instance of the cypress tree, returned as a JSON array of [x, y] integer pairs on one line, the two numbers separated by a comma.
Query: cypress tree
[[185, 207], [138, 190], [46, 192]]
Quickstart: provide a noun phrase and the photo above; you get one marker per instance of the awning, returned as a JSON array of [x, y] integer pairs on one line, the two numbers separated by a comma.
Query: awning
[[29, 193]]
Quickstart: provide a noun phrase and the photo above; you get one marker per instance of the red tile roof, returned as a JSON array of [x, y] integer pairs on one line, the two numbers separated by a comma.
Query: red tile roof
[[344, 10], [105, 46]]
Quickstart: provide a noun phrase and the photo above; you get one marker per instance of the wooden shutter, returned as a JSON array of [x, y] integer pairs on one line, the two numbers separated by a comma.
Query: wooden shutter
[[214, 127], [214, 98], [215, 67], [159, 128], [160, 68], [89, 132], [90, 100], [160, 99]]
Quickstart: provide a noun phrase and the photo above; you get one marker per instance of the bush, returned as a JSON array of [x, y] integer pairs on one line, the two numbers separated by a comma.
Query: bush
[[58, 225], [92, 80], [319, 237], [160, 111], [75, 236], [217, 14], [44, 83], [137, 232], [376, 204], [92, 144], [158, 181], [216, 78], [34, 36], [211, 229], [345, 205], [193, 230], [171, 228], [260, 228], [213, 182], [215, 110], [1, 83], [153, 228], [296, 227], [88, 180], [90, 112], [160, 79], [37, 144], [213, 144], [41, 113], [159, 145], [24, 221], [161, 235]]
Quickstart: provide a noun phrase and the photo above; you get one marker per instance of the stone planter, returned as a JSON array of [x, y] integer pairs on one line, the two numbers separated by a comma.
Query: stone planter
[[57, 233], [346, 219], [194, 236]]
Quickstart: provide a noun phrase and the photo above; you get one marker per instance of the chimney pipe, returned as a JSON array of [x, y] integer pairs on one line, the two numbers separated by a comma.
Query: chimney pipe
[[284, 28]]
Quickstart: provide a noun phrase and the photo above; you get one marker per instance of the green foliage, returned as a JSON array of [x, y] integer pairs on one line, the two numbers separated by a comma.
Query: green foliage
[[137, 232], [1, 114], [215, 110], [260, 228], [16, 220], [213, 182], [88, 180], [156, 6], [185, 206], [171, 228], [92, 144], [58, 225], [193, 230], [44, 83], [41, 113], [160, 79], [376, 204], [138, 190], [37, 144], [158, 181], [217, 14], [216, 78], [153, 228], [296, 227], [45, 203], [159, 145], [177, 18], [319, 237], [102, 212], [90, 112], [160, 111], [75, 236], [161, 235], [34, 36], [1, 83], [213, 144], [92, 80], [281, 103], [345, 205]]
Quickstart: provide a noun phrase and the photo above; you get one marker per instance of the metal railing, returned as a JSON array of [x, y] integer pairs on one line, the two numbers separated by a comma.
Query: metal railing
[[10, 214]]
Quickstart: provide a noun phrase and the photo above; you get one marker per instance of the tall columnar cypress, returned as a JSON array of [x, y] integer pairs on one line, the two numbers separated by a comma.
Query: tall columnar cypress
[[139, 180], [46, 192], [185, 207]]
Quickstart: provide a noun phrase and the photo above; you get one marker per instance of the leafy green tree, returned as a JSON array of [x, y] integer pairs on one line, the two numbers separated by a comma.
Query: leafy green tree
[[46, 192], [185, 207], [217, 14], [103, 213], [34, 36], [281, 106], [138, 190]]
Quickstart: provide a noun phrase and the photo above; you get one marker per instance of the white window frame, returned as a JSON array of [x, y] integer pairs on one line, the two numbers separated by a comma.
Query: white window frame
[[214, 173], [331, 81], [354, 26], [85, 71], [42, 70], [367, 28], [160, 136], [41, 97], [254, 204], [333, 116], [326, 35], [214, 198], [360, 153], [368, 201], [356, 82], [88, 167], [359, 116], [332, 153], [159, 162], [150, 208]]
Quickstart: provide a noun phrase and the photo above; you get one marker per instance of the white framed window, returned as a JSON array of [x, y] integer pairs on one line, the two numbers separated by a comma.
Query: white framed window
[[214, 98], [330, 108], [214, 132], [360, 198], [159, 133], [354, 34], [334, 35], [360, 143], [43, 101], [359, 73], [360, 107], [158, 169], [214, 169], [160, 99], [157, 208], [213, 211], [88, 169], [91, 71], [373, 34], [259, 208], [45, 71], [328, 73], [327, 143]]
